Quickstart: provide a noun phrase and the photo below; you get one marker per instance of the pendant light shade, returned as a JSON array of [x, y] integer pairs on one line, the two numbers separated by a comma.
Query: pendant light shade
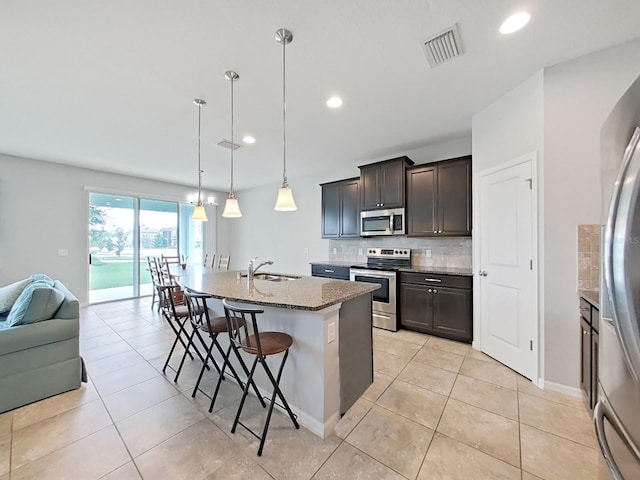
[[285, 202], [231, 207], [199, 214]]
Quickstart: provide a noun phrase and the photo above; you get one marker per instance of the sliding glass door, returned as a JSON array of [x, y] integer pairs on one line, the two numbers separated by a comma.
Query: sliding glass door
[[124, 231], [112, 220]]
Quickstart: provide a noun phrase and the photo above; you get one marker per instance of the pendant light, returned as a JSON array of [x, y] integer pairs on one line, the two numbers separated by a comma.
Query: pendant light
[[285, 202], [231, 208], [199, 213]]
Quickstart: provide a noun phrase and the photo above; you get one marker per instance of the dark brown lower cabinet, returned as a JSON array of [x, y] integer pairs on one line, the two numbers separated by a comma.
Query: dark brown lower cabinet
[[437, 304], [585, 359]]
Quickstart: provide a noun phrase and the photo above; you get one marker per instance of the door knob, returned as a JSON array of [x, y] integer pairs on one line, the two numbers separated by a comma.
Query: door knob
[[482, 273]]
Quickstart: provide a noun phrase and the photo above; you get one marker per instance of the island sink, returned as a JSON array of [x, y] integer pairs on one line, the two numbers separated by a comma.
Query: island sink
[[272, 277]]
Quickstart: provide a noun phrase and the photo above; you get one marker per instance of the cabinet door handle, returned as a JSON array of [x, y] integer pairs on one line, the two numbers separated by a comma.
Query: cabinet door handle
[[439, 231], [435, 231], [429, 290], [329, 271], [433, 280], [435, 291]]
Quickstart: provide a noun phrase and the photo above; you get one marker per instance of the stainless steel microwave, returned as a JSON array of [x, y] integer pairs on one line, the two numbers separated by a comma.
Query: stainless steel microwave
[[382, 222]]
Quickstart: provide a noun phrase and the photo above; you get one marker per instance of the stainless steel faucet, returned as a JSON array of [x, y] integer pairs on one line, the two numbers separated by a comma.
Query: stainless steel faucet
[[251, 270]]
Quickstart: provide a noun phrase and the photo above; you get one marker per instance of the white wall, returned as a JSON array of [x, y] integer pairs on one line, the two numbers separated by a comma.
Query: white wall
[[559, 112], [44, 207], [578, 97], [284, 236]]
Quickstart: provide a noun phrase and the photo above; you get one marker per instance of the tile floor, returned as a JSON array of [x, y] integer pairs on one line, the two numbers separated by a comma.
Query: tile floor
[[437, 410]]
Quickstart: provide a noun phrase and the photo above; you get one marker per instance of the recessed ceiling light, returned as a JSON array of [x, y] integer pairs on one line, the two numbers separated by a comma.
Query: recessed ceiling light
[[514, 23], [248, 139], [334, 102]]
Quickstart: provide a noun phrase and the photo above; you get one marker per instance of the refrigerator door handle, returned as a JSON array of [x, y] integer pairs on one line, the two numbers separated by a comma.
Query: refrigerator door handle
[[599, 414]]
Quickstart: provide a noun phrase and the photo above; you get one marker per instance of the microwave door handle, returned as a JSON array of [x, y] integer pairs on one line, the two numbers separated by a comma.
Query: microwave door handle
[[391, 223]]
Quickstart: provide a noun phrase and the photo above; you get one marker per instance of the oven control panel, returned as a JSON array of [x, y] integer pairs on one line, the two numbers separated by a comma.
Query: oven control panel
[[390, 253]]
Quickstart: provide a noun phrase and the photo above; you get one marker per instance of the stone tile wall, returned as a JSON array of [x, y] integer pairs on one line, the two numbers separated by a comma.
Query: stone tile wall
[[589, 257], [445, 252]]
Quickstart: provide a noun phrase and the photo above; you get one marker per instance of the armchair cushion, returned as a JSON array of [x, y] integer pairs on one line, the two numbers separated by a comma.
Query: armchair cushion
[[10, 293], [37, 302]]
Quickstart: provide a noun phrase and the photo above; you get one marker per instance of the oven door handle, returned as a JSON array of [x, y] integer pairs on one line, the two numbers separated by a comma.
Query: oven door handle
[[373, 273]]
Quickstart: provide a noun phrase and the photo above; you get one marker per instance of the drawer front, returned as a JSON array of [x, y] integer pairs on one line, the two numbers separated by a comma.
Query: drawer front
[[434, 279], [330, 271]]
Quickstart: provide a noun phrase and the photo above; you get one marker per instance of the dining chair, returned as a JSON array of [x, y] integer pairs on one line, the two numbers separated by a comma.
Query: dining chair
[[155, 279], [223, 262]]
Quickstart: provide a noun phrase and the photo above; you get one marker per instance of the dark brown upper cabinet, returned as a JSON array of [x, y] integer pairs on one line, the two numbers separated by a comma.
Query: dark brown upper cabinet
[[382, 184], [341, 209], [439, 198]]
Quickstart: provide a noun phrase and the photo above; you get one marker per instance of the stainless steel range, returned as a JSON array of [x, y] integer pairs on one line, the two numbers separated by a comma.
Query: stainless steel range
[[381, 269]]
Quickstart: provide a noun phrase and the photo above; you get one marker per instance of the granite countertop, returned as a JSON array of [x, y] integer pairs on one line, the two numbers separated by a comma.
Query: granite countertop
[[591, 296], [467, 272], [305, 293]]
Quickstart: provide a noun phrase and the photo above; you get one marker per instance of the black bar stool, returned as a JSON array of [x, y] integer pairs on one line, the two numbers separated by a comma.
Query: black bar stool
[[176, 313], [201, 321], [261, 345]]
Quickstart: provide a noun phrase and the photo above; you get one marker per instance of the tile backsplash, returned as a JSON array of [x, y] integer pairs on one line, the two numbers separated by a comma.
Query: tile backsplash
[[445, 251], [589, 257]]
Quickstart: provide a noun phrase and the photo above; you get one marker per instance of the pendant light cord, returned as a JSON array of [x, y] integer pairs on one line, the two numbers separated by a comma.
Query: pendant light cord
[[284, 117], [199, 168], [232, 193]]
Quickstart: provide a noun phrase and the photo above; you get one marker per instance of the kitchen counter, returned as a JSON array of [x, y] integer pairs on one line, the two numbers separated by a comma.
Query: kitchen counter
[[467, 272], [331, 359], [591, 296], [304, 293]]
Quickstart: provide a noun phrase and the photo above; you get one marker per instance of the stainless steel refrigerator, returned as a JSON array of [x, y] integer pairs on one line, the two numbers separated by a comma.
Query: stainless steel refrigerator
[[617, 413]]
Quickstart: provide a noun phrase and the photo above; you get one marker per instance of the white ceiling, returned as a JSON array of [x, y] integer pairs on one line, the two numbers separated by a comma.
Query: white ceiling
[[109, 84]]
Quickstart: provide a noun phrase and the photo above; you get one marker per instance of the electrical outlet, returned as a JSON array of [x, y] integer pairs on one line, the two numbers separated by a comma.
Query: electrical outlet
[[63, 252], [335, 251], [359, 251], [305, 250], [427, 253], [331, 332]]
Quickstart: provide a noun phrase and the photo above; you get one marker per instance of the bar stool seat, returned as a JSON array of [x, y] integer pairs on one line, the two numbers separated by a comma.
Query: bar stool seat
[[272, 343]]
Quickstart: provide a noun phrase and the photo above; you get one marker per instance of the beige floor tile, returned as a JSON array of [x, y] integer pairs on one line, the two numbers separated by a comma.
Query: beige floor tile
[[5, 454], [416, 403], [458, 348], [551, 457], [195, 453], [123, 378], [229, 394], [350, 419], [349, 462], [526, 386], [148, 339], [6, 420], [395, 347], [104, 351], [427, 376], [439, 358], [496, 399], [99, 341], [113, 363], [156, 424], [568, 422], [529, 476], [486, 431], [4, 477], [161, 349], [242, 466], [379, 385], [478, 355], [52, 406], [89, 458], [387, 363], [42, 438], [126, 472], [448, 459], [392, 440], [134, 399], [489, 372], [130, 331], [90, 332], [404, 335]]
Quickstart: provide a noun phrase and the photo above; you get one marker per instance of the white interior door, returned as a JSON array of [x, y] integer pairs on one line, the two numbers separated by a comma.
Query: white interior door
[[508, 318]]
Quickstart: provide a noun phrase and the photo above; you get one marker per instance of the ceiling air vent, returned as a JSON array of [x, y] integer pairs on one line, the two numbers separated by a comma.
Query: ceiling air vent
[[443, 47], [227, 144]]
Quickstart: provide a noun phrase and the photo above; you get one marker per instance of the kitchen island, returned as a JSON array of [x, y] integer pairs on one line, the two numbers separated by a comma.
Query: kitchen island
[[331, 360]]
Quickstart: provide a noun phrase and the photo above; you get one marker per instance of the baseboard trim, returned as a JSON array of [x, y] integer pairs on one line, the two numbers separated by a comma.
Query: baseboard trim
[[560, 388]]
